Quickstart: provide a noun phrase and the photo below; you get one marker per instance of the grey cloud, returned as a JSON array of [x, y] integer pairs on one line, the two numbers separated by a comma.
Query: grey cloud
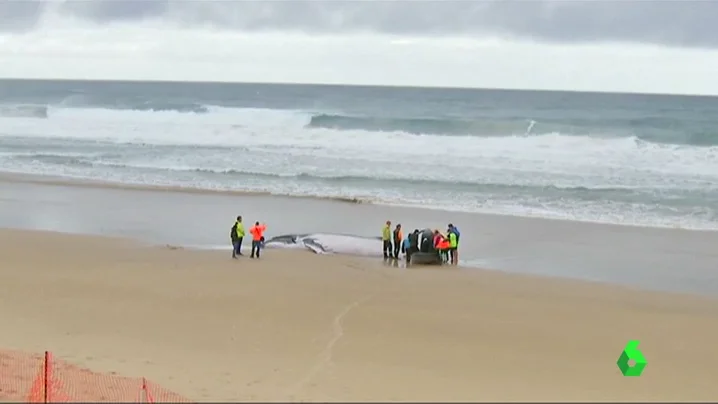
[[677, 23], [116, 10], [19, 15]]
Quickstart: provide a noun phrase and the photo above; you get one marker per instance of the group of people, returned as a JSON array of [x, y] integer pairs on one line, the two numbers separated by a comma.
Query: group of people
[[237, 233], [446, 245]]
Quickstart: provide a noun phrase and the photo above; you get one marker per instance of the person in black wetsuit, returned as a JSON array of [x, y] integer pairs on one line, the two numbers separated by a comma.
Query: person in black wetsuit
[[426, 241]]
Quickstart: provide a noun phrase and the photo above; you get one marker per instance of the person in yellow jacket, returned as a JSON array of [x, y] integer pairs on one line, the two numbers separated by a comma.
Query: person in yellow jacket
[[386, 239], [453, 247], [237, 235]]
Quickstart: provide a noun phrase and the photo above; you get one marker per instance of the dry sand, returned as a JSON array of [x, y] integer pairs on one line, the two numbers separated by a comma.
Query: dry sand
[[295, 326]]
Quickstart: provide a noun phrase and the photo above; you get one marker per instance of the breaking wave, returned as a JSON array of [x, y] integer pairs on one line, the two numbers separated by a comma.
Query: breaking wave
[[625, 166], [652, 129], [23, 111]]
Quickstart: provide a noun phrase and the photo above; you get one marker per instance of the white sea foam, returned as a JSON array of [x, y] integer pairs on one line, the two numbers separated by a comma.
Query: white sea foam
[[539, 159], [195, 149]]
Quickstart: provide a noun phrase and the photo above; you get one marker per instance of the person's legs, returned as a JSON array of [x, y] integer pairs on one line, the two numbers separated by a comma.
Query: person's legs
[[234, 249], [254, 248], [387, 248], [455, 256], [239, 245], [259, 248], [397, 247]]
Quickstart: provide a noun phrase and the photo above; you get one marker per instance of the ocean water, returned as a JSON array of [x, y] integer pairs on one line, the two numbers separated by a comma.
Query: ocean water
[[628, 159]]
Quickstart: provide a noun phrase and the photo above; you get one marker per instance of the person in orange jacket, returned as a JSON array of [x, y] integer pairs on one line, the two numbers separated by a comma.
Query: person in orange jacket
[[441, 245], [257, 232], [398, 239]]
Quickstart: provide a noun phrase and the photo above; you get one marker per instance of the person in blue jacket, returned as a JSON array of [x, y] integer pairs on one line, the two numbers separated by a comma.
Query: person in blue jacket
[[405, 247], [411, 244], [455, 230]]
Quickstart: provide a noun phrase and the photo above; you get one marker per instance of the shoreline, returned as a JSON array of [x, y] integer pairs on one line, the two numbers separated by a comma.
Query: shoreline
[[42, 179], [7, 176], [368, 261], [360, 261], [297, 327], [647, 258]]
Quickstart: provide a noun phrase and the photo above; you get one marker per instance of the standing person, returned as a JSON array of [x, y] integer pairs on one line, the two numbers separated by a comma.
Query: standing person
[[257, 232], [233, 238], [412, 244], [455, 250], [441, 245], [237, 235], [398, 238], [453, 245], [444, 248], [386, 239]]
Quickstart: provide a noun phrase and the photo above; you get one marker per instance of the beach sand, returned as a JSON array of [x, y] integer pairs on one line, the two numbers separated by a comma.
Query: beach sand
[[297, 326]]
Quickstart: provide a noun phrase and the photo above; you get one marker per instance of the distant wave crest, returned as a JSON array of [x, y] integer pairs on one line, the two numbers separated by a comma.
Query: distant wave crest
[[133, 104], [654, 129], [408, 125], [23, 111], [434, 126], [651, 129], [187, 107]]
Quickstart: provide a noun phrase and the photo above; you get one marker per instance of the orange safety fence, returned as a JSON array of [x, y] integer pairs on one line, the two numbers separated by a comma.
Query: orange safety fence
[[41, 378]]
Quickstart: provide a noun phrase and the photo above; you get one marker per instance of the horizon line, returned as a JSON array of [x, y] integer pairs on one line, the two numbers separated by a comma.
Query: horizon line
[[414, 87]]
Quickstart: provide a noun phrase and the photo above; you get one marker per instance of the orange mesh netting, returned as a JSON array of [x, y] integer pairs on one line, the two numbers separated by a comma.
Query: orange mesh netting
[[43, 379]]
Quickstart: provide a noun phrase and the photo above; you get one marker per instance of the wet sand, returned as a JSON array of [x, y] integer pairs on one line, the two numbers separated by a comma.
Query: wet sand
[[298, 326], [660, 259]]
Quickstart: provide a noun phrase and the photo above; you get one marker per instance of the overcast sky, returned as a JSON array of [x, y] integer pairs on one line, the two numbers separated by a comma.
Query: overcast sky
[[678, 23], [686, 29]]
